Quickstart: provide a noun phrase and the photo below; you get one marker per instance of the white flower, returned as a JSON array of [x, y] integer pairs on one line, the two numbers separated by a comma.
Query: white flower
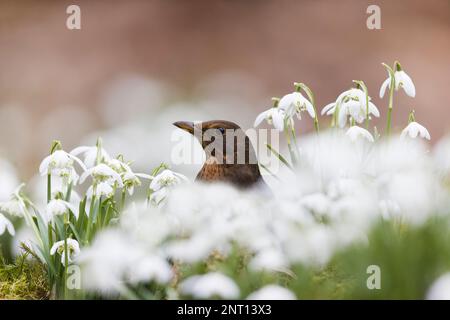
[[351, 103], [272, 292], [401, 80], [72, 246], [102, 173], [5, 224], [103, 189], [131, 180], [166, 178], [15, 206], [414, 129], [355, 133], [440, 289], [58, 207], [273, 116], [90, 155], [150, 268], [210, 285], [270, 259], [294, 103], [58, 160]]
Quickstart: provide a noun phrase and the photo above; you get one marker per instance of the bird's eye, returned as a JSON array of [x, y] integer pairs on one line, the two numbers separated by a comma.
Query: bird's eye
[[222, 130]]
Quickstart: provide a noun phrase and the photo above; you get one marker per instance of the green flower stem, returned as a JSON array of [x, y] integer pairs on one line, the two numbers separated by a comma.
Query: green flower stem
[[49, 187], [122, 199], [69, 191], [66, 255], [390, 106], [291, 151], [90, 219]]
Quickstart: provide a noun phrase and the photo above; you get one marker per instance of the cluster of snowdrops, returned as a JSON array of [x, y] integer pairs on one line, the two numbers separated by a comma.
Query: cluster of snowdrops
[[179, 239]]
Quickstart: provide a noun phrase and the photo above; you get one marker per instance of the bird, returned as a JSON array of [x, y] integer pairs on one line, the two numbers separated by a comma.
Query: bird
[[230, 157]]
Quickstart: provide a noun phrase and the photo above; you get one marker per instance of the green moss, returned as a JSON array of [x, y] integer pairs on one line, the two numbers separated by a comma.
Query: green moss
[[24, 279]]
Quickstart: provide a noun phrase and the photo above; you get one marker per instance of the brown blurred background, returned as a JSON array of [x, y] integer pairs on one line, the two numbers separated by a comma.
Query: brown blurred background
[[134, 60]]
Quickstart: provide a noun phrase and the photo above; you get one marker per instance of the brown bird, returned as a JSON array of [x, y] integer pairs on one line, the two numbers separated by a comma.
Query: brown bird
[[230, 156]]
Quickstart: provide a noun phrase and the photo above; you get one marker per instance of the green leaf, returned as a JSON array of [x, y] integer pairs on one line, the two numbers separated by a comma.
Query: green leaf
[[279, 156]]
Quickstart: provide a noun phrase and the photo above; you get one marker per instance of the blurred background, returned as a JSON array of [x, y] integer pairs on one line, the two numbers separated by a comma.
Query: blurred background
[[137, 66]]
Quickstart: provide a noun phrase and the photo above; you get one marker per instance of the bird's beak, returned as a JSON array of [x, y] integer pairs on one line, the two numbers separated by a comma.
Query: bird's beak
[[185, 125]]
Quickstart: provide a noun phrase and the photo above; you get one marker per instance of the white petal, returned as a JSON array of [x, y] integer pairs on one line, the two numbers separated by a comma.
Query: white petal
[[43, 168], [342, 117], [310, 109], [384, 86], [278, 120], [328, 108], [373, 110], [407, 84], [79, 150], [260, 118]]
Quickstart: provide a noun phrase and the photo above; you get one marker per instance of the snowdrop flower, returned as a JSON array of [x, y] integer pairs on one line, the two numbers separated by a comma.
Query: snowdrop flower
[[59, 162], [440, 289], [159, 185], [15, 206], [272, 292], [5, 224], [58, 207], [102, 173], [414, 129], [401, 80], [129, 178], [72, 246], [103, 189], [351, 103], [294, 103], [210, 285], [355, 133], [90, 155], [273, 116], [165, 179]]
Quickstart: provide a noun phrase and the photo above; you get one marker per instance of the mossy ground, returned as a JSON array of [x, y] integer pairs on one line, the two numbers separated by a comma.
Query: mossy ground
[[23, 279]]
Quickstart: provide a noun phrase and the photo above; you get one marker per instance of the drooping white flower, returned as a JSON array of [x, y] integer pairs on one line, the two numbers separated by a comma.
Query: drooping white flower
[[414, 129], [351, 103], [272, 292], [58, 207], [129, 178], [273, 116], [295, 103], [166, 178], [90, 155], [102, 173], [58, 160], [5, 224], [401, 80], [355, 133], [210, 285], [103, 189], [16, 205], [72, 246], [440, 289]]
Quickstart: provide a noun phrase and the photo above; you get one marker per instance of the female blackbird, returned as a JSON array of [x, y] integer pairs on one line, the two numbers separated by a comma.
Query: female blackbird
[[230, 156]]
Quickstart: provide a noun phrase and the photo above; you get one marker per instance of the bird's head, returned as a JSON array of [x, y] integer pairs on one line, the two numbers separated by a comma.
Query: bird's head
[[221, 139]]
